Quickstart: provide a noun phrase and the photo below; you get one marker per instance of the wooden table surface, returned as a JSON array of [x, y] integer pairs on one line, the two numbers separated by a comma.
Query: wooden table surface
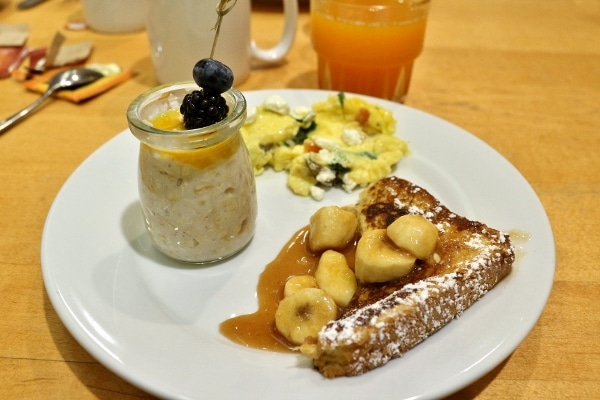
[[524, 76]]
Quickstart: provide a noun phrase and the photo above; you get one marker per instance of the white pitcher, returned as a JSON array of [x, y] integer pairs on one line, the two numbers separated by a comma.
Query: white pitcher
[[115, 16], [181, 32]]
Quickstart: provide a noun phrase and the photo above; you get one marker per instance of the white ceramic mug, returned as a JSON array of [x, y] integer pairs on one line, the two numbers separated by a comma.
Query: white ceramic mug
[[115, 16], [181, 33]]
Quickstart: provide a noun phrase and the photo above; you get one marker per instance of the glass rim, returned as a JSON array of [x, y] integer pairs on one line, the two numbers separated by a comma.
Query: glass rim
[[185, 138], [384, 4]]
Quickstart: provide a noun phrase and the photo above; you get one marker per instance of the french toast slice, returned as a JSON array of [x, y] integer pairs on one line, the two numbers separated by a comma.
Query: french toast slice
[[384, 320]]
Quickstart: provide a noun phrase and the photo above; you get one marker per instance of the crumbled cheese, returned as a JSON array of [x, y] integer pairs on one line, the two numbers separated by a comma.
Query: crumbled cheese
[[323, 157], [301, 112], [317, 193], [308, 119], [326, 144], [277, 104], [347, 183], [326, 176], [251, 114], [353, 137]]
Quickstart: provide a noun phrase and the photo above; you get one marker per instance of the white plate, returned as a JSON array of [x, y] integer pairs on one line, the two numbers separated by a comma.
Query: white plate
[[154, 322]]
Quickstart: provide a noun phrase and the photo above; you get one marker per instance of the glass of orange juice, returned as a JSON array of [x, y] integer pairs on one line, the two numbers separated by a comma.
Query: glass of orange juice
[[368, 46]]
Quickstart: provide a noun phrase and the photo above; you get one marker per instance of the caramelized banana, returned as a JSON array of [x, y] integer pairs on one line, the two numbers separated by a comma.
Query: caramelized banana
[[297, 283], [414, 234], [378, 260], [304, 314], [335, 277], [331, 228]]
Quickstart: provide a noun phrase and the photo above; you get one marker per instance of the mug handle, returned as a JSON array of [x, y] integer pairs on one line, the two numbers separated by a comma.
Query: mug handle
[[276, 53]]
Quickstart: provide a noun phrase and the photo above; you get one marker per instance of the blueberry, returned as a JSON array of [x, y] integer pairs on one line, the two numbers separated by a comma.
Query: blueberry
[[212, 75]]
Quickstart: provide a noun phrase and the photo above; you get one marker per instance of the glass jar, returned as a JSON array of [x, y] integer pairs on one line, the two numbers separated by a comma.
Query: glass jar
[[196, 187]]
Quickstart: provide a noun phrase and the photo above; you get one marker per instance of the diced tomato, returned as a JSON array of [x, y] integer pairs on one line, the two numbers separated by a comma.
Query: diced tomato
[[311, 147], [362, 116]]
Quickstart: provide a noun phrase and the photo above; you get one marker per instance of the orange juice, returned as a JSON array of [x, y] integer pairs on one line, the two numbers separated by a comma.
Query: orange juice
[[368, 46]]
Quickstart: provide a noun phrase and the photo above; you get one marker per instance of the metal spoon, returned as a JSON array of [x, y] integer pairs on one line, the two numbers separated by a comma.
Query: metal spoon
[[25, 4], [69, 79]]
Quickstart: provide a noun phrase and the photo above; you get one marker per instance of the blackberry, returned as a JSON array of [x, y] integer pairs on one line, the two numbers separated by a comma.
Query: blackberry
[[203, 108]]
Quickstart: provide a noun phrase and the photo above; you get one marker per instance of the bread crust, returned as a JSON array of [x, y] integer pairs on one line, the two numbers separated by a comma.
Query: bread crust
[[384, 321]]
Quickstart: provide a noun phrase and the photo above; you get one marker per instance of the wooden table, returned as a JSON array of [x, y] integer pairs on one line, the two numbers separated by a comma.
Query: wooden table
[[524, 76]]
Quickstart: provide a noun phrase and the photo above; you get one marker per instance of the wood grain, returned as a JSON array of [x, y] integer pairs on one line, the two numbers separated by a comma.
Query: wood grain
[[524, 76]]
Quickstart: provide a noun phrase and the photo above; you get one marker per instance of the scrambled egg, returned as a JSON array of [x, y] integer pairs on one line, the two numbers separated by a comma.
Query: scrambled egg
[[340, 141]]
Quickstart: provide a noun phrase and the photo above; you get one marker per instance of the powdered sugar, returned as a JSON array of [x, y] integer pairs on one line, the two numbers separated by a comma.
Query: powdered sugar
[[387, 328]]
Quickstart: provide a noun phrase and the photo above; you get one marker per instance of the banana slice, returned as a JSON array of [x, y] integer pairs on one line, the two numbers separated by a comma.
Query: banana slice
[[304, 314], [414, 234], [378, 260], [297, 283], [335, 277], [331, 227]]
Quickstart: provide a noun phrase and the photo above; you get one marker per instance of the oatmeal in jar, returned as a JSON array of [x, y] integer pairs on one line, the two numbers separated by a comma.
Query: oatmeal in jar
[[196, 186]]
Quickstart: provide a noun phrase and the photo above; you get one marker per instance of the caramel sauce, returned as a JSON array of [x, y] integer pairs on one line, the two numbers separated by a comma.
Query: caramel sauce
[[519, 237], [258, 330]]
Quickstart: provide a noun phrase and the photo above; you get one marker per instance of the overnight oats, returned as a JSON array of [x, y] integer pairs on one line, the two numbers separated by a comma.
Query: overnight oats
[[196, 186]]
